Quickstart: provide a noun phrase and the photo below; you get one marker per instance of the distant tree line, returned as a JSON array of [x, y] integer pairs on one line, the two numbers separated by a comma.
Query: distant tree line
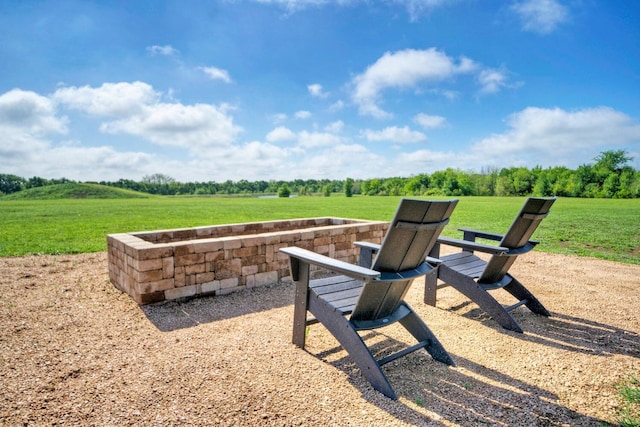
[[609, 177]]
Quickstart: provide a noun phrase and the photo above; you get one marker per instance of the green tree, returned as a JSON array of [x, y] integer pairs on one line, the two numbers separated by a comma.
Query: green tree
[[627, 178], [608, 170], [436, 181], [583, 181], [348, 187], [543, 186], [36, 181], [284, 191], [611, 185], [611, 160], [504, 184], [484, 183], [523, 181], [11, 183], [371, 187], [393, 187], [416, 185]]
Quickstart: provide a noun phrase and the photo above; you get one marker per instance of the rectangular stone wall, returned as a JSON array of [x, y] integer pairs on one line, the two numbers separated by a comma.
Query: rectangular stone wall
[[168, 264]]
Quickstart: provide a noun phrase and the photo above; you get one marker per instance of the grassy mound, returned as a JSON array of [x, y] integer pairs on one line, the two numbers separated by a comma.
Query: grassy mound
[[74, 190]]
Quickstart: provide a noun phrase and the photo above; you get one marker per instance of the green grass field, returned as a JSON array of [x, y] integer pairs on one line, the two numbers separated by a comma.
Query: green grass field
[[603, 228]]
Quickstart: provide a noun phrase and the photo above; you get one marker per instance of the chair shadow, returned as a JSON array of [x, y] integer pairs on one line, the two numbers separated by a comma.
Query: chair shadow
[[468, 394], [566, 332], [187, 313]]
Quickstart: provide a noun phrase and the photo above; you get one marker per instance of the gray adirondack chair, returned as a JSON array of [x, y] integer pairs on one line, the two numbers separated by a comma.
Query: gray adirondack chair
[[475, 277], [362, 298]]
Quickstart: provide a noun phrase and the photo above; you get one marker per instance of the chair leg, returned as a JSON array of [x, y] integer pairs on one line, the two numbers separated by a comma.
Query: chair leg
[[351, 341], [468, 287], [519, 291], [301, 303], [421, 332], [431, 287]]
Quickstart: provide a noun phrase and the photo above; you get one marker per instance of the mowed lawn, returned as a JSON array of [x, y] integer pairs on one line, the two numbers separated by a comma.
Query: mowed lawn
[[603, 228]]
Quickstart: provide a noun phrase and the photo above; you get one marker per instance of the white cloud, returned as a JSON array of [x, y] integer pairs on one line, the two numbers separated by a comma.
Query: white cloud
[[166, 50], [29, 155], [491, 80], [94, 163], [26, 121], [551, 137], [431, 161], [336, 106], [17, 150], [335, 127], [215, 73], [278, 118], [281, 133], [418, 8], [340, 161], [252, 161], [415, 8], [401, 70], [401, 135], [316, 90], [189, 126], [540, 16], [319, 139], [137, 110], [29, 113], [294, 5], [109, 100], [428, 121], [302, 114]]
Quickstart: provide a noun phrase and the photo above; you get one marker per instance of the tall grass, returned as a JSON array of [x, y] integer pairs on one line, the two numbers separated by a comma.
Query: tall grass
[[600, 228], [630, 411]]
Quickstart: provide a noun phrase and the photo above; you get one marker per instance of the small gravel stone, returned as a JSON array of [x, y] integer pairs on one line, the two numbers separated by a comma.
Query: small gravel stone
[[76, 351]]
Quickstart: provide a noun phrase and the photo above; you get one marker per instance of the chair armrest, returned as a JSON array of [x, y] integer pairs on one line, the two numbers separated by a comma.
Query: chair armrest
[[433, 261], [375, 247], [331, 264], [367, 251], [471, 234], [522, 249], [473, 246]]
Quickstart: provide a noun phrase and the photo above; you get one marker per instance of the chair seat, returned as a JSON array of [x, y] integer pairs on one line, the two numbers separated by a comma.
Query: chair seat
[[341, 292], [465, 263]]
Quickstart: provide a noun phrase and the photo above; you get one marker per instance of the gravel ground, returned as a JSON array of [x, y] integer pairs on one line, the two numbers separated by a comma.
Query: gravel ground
[[76, 351]]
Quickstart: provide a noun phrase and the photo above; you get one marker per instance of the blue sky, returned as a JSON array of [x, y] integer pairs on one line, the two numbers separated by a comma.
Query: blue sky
[[285, 89]]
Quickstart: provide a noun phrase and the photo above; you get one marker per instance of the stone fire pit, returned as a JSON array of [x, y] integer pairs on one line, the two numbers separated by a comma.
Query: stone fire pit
[[153, 266]]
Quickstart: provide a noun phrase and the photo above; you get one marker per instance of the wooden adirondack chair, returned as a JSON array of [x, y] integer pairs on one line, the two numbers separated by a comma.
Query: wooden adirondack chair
[[475, 277], [362, 298]]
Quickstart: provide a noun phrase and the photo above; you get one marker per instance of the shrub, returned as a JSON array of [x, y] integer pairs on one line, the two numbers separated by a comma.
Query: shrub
[[284, 191]]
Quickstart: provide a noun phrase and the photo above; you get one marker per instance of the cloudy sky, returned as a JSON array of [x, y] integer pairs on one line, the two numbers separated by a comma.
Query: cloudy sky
[[283, 89]]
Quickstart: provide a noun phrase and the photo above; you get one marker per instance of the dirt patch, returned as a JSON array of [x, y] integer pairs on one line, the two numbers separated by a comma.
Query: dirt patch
[[76, 351]]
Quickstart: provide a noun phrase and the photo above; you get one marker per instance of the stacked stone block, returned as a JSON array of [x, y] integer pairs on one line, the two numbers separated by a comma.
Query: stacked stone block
[[168, 264]]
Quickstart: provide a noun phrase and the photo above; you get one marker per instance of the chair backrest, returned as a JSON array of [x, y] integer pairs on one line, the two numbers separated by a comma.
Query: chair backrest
[[535, 209], [411, 236], [412, 233]]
